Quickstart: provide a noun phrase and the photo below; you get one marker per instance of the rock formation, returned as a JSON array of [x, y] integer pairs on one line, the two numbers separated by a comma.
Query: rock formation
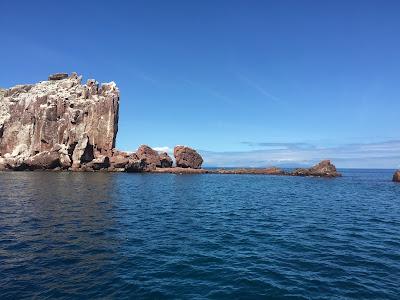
[[165, 160], [59, 123], [323, 169], [62, 124], [396, 176], [186, 157], [153, 159]]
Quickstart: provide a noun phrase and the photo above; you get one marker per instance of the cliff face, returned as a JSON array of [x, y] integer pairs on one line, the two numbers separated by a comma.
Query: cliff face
[[78, 122]]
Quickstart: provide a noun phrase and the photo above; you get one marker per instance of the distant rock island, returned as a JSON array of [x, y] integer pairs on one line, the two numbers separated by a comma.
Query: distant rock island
[[62, 124]]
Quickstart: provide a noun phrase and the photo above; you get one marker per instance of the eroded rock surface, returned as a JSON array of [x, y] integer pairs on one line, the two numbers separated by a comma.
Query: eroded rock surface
[[186, 157], [59, 117]]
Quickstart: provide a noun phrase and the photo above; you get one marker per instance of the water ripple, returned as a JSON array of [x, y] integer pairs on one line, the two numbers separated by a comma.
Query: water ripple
[[164, 236]]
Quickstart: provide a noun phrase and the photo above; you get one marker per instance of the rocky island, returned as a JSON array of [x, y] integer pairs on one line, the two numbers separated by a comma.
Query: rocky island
[[62, 124]]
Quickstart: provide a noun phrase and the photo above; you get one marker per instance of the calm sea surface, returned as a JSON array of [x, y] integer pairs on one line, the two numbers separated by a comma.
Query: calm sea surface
[[161, 236]]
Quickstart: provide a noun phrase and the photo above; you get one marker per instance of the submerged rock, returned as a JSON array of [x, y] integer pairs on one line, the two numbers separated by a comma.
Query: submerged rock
[[78, 122], [266, 171], [186, 157], [396, 176]]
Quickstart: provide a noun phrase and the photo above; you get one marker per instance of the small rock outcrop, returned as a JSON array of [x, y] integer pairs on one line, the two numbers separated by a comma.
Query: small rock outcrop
[[59, 123], [323, 169], [186, 157], [396, 176]]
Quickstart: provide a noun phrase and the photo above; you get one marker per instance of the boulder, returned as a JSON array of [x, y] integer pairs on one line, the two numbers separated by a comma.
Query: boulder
[[396, 176], [153, 159], [135, 166], [118, 161], [186, 157], [58, 76], [99, 163], [149, 155], [43, 161]]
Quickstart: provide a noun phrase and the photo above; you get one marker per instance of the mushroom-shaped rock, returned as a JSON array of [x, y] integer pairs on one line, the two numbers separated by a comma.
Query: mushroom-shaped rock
[[186, 157], [396, 176]]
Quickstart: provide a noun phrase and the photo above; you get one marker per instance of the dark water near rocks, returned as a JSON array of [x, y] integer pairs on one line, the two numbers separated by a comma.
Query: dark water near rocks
[[159, 236]]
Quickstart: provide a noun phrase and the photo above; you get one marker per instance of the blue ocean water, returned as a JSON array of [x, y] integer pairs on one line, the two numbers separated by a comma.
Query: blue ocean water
[[164, 236]]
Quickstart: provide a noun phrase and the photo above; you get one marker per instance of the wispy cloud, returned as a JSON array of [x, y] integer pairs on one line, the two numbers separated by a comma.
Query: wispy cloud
[[280, 145], [212, 92], [143, 76], [253, 84], [385, 154]]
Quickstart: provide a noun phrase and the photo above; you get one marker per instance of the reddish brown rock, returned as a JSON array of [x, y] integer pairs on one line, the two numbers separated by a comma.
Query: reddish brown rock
[[186, 157], [80, 120], [396, 176], [43, 161], [165, 160], [99, 163], [136, 166], [150, 157], [118, 161], [323, 169], [153, 159]]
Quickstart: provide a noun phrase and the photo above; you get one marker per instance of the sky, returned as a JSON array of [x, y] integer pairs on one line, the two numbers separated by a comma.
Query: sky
[[247, 83]]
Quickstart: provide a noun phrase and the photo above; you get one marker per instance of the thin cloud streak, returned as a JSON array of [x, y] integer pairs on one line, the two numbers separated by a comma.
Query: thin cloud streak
[[210, 91], [258, 88]]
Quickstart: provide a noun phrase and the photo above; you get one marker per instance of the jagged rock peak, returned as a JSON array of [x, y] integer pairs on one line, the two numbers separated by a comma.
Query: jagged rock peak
[[323, 169], [77, 121]]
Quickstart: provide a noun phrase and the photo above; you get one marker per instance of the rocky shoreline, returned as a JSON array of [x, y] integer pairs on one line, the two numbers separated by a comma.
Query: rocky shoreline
[[61, 124]]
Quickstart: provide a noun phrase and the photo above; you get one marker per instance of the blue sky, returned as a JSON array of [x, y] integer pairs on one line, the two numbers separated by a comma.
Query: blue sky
[[245, 82]]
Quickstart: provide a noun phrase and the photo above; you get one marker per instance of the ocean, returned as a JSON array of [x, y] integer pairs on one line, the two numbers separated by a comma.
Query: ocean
[[164, 236]]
